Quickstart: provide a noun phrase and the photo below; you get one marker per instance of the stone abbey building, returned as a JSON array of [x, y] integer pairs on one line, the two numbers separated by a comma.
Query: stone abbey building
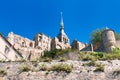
[[30, 49]]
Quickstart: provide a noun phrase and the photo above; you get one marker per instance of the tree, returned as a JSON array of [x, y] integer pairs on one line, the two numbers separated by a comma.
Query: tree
[[96, 37], [117, 36]]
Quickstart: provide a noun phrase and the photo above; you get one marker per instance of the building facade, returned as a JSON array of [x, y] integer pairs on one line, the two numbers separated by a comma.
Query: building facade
[[24, 45], [78, 45], [7, 51], [31, 49]]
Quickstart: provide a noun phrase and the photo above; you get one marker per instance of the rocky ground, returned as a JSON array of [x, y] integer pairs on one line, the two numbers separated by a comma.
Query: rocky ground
[[80, 71]]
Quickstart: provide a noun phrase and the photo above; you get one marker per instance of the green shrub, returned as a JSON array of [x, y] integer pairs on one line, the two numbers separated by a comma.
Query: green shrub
[[57, 52], [42, 59], [116, 50], [91, 63], [62, 67], [25, 67], [47, 72], [47, 59], [63, 59], [37, 59], [98, 54], [86, 56], [111, 56], [99, 68], [3, 72], [93, 56], [43, 67]]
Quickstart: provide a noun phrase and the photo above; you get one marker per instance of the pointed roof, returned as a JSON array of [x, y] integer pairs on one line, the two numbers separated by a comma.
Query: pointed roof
[[61, 22], [62, 26]]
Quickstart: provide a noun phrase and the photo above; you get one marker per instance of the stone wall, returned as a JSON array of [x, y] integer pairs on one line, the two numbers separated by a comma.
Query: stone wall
[[77, 45], [42, 42], [56, 44]]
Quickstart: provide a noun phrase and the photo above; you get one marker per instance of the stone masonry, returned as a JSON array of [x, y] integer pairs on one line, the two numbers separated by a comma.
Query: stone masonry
[[31, 49]]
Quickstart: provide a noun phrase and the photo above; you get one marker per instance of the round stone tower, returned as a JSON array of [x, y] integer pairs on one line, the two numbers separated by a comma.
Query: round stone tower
[[109, 41]]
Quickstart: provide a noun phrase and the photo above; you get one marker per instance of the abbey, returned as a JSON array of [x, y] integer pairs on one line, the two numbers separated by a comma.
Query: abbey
[[30, 49]]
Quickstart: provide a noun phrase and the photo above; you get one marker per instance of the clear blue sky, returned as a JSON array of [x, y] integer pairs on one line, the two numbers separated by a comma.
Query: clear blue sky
[[81, 17]]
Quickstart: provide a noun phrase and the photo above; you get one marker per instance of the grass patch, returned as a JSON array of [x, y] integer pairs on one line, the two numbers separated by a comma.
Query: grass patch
[[25, 68], [62, 67], [93, 56], [56, 67], [3, 72], [99, 68], [43, 67], [55, 53], [91, 63], [62, 59]]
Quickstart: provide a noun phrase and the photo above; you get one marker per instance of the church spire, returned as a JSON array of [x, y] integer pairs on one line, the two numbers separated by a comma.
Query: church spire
[[62, 25], [62, 35], [61, 22]]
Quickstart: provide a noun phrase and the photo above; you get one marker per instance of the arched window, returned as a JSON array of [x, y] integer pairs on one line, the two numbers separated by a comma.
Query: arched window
[[7, 49], [31, 44], [40, 38]]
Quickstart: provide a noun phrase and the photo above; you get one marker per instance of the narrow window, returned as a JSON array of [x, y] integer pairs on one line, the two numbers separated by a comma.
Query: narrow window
[[7, 49], [40, 38], [31, 44]]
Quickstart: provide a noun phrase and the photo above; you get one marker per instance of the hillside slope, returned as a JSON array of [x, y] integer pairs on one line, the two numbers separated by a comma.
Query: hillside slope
[[75, 70]]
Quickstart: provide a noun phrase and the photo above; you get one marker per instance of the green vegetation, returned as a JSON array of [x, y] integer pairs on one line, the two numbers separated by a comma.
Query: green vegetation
[[42, 59], [46, 59], [93, 56], [99, 68], [116, 50], [96, 38], [91, 63], [117, 36], [43, 67], [56, 67], [47, 72], [62, 59], [25, 67], [3, 72], [84, 56], [57, 52], [62, 67]]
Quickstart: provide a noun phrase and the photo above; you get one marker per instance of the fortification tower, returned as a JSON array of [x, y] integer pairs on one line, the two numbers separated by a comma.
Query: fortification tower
[[109, 41]]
